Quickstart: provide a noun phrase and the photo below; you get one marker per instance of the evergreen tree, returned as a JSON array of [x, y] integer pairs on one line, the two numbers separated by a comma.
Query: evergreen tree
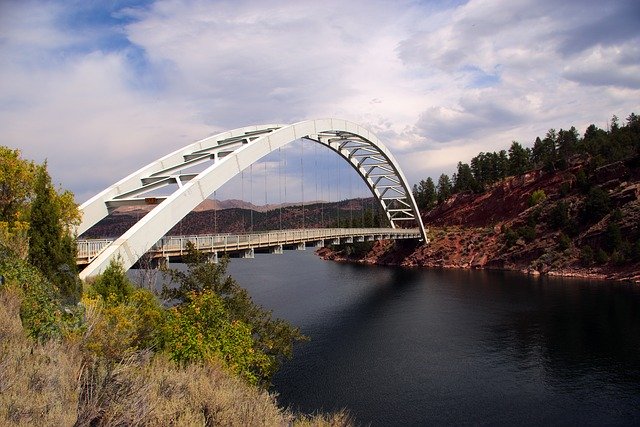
[[444, 188], [464, 179], [519, 159], [592, 140], [537, 152], [44, 230], [425, 194], [597, 204], [502, 165], [567, 143], [481, 168], [544, 151], [51, 249]]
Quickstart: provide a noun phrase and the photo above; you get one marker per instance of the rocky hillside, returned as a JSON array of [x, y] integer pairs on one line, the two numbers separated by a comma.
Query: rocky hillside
[[580, 221]]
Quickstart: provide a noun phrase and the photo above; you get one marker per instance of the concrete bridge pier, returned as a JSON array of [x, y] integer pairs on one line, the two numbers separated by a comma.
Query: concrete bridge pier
[[278, 249], [316, 244], [248, 254]]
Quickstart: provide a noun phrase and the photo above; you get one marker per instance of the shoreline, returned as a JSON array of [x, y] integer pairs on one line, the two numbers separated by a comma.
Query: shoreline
[[588, 273]]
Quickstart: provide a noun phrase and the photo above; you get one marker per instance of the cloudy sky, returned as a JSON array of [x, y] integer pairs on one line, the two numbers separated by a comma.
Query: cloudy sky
[[100, 88]]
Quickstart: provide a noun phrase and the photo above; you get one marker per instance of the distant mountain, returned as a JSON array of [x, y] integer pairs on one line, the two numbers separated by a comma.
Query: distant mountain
[[211, 204], [237, 216], [214, 204]]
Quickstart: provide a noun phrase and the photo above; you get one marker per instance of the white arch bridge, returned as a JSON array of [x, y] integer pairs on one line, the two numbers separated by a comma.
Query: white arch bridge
[[226, 155]]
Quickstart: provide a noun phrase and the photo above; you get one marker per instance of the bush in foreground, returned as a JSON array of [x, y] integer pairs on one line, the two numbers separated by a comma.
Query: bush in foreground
[[271, 339], [50, 383]]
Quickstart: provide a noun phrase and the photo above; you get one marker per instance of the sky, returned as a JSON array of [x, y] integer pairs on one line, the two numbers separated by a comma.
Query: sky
[[101, 88]]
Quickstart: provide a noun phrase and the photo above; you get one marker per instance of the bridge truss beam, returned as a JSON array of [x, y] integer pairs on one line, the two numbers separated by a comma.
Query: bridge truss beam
[[226, 155]]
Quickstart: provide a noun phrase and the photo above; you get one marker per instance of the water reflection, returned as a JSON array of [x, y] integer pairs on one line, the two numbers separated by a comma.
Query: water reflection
[[574, 329], [424, 347]]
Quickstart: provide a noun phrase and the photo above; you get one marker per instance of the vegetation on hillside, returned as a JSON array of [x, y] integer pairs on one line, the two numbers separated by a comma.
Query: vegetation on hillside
[[570, 204], [56, 383], [36, 221], [556, 151], [116, 354]]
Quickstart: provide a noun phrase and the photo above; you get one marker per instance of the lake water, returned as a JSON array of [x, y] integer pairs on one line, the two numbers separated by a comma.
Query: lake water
[[448, 347]]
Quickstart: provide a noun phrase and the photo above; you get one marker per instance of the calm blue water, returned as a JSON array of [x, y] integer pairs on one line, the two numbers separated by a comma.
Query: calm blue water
[[436, 347]]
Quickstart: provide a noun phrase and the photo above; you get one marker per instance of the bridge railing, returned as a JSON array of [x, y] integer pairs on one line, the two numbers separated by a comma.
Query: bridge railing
[[89, 249]]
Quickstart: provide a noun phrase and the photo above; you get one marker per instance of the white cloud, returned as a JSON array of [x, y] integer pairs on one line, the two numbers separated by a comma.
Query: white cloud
[[437, 83]]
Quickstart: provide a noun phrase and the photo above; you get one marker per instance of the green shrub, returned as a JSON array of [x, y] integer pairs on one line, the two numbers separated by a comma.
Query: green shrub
[[582, 181], [559, 215], [113, 285], [618, 257], [272, 337], [586, 255], [597, 204], [113, 330], [601, 256], [534, 217], [510, 237], [536, 197], [616, 215], [527, 232], [199, 330], [123, 319], [40, 311], [572, 228], [613, 236], [356, 249], [150, 317], [564, 242], [119, 330]]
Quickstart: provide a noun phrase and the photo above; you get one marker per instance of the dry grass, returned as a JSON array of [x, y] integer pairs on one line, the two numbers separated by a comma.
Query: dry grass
[[38, 382], [150, 390], [339, 419], [52, 384]]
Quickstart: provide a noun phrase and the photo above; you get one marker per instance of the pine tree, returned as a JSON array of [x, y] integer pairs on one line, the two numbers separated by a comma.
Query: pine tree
[[464, 179], [444, 188], [519, 159], [44, 230], [51, 248], [425, 194]]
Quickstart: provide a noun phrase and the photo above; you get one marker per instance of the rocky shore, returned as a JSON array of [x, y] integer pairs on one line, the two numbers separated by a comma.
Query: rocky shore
[[449, 252], [503, 229]]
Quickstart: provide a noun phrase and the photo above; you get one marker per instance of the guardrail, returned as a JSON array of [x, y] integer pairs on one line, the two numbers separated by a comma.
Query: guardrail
[[88, 249]]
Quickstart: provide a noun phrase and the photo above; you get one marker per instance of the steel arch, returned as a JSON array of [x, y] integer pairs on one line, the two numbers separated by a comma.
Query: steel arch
[[231, 152]]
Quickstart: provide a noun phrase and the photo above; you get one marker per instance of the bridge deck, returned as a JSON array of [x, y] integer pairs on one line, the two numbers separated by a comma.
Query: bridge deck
[[245, 244]]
